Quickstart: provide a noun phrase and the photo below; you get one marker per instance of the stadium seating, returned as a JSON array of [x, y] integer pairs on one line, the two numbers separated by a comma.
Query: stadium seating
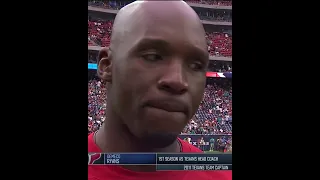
[[210, 2], [99, 32], [214, 115], [214, 15], [96, 104], [219, 43]]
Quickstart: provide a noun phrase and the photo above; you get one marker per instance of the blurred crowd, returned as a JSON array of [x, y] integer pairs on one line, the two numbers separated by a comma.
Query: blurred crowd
[[219, 43], [214, 115], [99, 33], [211, 2], [222, 143], [97, 104]]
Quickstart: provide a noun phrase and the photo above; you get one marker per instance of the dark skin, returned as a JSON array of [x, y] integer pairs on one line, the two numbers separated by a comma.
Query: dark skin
[[155, 72]]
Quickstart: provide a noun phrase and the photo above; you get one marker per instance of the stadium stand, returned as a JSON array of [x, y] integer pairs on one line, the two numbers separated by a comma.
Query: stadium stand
[[96, 104], [210, 2], [99, 32], [219, 43], [214, 115]]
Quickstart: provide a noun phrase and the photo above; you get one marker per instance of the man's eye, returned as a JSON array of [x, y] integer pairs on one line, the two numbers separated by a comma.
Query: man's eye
[[197, 66], [152, 57]]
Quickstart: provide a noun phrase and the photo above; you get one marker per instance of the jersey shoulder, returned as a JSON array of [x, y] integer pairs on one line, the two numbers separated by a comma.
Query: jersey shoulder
[[92, 147], [221, 175], [208, 175], [187, 147], [98, 172]]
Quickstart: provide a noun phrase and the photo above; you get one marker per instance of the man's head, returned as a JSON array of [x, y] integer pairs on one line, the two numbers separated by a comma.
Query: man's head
[[155, 68]]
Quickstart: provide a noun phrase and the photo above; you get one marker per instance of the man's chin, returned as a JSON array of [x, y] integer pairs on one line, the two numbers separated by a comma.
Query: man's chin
[[158, 140]]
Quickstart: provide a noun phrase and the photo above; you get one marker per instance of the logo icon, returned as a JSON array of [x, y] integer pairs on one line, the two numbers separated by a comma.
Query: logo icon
[[93, 157]]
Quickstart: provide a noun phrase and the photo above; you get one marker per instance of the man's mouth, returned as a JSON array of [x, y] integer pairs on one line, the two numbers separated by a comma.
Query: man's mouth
[[169, 106]]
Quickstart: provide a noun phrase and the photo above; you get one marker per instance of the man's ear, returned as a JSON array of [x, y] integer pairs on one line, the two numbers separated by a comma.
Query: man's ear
[[105, 65]]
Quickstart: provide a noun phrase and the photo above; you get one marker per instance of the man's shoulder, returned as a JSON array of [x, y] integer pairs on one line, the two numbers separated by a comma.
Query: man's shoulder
[[210, 175], [92, 147], [97, 172], [187, 147]]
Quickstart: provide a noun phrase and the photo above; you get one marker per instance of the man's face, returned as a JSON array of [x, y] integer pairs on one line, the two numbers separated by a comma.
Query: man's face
[[158, 77]]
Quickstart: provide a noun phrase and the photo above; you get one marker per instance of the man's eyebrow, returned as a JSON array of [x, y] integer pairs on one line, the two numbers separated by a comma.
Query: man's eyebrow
[[152, 42], [200, 53]]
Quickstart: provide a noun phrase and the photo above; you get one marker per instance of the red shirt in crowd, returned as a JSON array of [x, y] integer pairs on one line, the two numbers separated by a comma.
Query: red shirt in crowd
[[101, 172]]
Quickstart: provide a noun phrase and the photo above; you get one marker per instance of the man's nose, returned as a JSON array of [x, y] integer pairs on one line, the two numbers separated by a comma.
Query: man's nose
[[174, 79]]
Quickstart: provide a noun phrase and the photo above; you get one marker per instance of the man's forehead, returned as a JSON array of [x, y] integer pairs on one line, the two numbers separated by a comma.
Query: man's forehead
[[161, 19], [168, 12], [165, 24], [167, 7]]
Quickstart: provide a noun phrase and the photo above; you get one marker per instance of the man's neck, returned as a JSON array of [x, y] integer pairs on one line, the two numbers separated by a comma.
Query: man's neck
[[111, 138]]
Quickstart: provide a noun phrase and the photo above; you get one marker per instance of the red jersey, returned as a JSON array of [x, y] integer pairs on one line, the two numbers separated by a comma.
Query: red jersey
[[115, 172]]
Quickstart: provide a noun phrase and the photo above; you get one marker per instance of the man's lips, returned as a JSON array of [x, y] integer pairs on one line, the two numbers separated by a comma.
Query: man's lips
[[169, 105]]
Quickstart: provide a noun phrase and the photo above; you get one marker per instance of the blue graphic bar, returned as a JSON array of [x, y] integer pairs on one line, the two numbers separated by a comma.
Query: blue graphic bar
[[199, 158], [92, 66], [167, 159], [197, 167], [132, 159]]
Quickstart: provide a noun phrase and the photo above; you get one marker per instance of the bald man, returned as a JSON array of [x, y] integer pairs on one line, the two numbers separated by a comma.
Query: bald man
[[155, 69]]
